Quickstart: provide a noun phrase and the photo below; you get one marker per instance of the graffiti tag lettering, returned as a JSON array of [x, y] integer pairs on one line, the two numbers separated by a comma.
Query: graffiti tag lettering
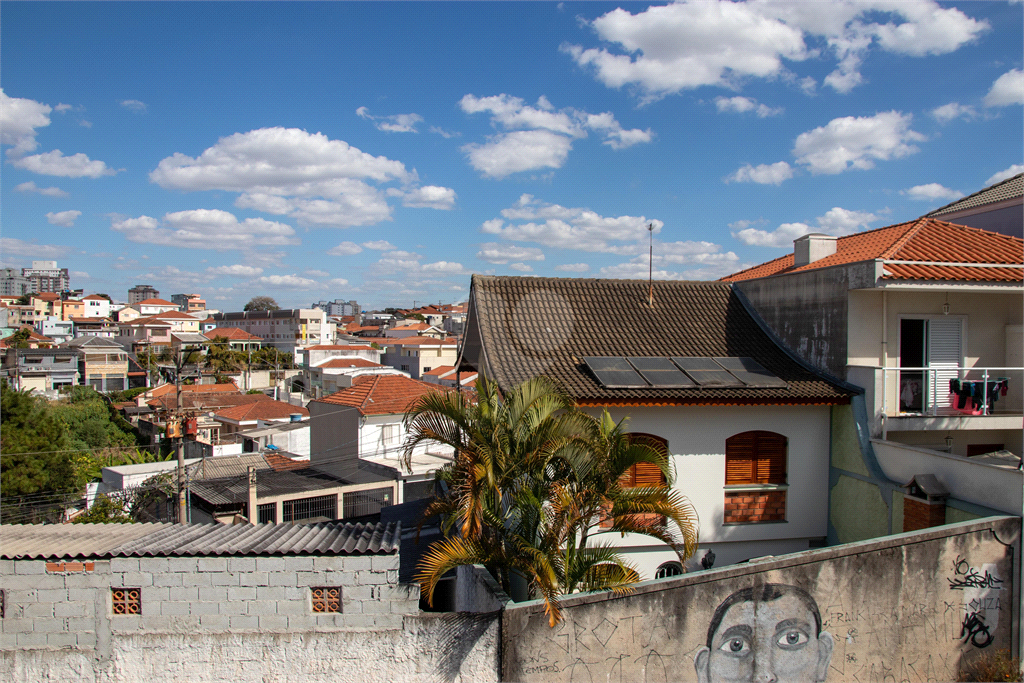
[[967, 576], [975, 630]]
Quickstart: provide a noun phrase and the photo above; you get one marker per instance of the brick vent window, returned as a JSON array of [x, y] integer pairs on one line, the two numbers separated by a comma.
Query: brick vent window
[[326, 599], [127, 600], [3, 602]]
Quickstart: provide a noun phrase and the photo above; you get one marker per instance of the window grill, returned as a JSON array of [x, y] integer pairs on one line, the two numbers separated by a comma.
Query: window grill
[[359, 503], [319, 507], [127, 600], [326, 599], [268, 513], [669, 569]]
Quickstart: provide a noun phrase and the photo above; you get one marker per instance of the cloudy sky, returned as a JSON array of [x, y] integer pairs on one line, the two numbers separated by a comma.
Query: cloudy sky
[[384, 152]]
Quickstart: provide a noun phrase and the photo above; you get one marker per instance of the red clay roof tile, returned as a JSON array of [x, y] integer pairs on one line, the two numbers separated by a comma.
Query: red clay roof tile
[[382, 394]]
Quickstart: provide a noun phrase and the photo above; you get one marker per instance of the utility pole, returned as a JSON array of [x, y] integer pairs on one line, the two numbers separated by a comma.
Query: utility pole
[[178, 444]]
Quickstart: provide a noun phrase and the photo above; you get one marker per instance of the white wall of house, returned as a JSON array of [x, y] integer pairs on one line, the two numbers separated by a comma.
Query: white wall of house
[[696, 440], [385, 435], [96, 308], [417, 359]]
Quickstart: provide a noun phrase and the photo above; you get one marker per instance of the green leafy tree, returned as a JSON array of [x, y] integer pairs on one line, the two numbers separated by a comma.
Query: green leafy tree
[[531, 481], [104, 510], [20, 339], [24, 299], [35, 444], [261, 303]]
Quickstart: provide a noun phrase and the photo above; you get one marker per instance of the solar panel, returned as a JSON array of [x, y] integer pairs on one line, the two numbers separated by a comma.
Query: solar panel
[[706, 372], [660, 372], [613, 372], [750, 372]]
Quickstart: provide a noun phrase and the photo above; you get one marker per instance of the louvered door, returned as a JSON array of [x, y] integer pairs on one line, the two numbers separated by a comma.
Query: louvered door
[[945, 353]]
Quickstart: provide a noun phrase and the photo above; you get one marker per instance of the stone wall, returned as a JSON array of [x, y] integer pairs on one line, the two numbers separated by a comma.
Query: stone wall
[[231, 618], [911, 607]]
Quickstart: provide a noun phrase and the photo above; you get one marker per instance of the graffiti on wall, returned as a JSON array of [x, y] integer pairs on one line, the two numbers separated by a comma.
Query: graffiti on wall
[[845, 620]]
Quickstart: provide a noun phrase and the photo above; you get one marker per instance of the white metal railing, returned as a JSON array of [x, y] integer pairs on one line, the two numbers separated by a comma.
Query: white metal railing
[[933, 388]]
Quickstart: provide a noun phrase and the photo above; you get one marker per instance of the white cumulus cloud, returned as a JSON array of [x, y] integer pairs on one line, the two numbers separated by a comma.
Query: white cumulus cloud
[[65, 219], [379, 245], [931, 191], [46, 191], [572, 268], [763, 174], [398, 123], [521, 267], [344, 249], [428, 197], [836, 221], [236, 270], [134, 105], [856, 142], [55, 163], [952, 111], [496, 252], [292, 281], [1004, 174], [745, 104], [287, 171], [538, 136], [19, 118], [204, 229], [12, 245], [1008, 89], [685, 45]]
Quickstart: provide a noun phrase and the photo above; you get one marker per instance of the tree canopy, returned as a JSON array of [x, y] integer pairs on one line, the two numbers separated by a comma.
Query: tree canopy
[[261, 303], [534, 482]]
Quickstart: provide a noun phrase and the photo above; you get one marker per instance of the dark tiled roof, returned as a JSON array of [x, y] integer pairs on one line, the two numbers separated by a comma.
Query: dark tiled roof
[[1007, 189], [545, 326], [41, 541]]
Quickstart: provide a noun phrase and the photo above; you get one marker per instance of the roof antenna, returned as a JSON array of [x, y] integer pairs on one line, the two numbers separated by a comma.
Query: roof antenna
[[650, 268]]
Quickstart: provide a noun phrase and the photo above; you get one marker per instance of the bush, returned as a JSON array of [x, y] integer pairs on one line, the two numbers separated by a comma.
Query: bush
[[995, 666]]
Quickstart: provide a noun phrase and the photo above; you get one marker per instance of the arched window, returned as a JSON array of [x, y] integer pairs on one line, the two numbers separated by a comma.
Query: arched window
[[669, 569], [756, 457], [643, 473]]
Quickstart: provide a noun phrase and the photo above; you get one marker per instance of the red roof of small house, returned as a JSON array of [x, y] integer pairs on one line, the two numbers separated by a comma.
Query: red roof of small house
[[174, 315], [922, 249], [164, 389], [33, 337], [261, 410], [350, 363], [81, 320], [46, 296], [95, 297], [231, 334], [392, 341], [148, 320], [155, 302], [440, 371], [382, 394]]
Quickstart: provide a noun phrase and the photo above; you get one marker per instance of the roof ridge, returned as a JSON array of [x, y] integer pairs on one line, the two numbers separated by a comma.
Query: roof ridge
[[991, 187], [901, 241], [369, 392]]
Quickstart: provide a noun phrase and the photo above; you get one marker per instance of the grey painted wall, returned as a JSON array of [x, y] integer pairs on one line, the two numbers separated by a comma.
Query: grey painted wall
[[333, 437], [809, 310], [909, 607]]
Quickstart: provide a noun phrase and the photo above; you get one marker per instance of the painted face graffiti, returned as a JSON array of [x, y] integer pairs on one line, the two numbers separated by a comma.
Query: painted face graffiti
[[769, 634]]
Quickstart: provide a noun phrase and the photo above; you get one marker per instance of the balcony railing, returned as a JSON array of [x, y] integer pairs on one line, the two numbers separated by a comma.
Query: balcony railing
[[951, 390]]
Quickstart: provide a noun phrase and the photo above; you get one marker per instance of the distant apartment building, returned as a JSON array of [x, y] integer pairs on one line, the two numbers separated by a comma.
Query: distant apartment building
[[141, 293], [13, 283], [286, 330], [339, 307], [45, 276], [189, 303]]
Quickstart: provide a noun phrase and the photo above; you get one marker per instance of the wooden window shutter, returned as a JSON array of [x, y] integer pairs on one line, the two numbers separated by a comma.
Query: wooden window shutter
[[756, 457], [647, 474]]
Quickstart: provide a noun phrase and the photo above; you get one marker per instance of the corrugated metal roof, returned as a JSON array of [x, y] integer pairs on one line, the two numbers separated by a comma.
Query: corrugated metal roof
[[43, 541], [68, 540], [229, 490]]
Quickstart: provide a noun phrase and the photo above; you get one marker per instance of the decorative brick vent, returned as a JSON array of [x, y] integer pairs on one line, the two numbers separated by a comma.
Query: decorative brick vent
[[744, 507], [3, 602], [326, 599], [127, 600]]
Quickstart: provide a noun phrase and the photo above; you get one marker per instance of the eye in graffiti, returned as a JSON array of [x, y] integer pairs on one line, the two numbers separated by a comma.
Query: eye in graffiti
[[735, 646], [791, 640]]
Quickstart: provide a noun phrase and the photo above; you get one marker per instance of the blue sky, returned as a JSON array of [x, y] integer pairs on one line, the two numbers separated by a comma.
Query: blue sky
[[385, 151]]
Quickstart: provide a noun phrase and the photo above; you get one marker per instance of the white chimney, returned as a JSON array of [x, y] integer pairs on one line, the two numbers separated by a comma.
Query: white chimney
[[812, 247]]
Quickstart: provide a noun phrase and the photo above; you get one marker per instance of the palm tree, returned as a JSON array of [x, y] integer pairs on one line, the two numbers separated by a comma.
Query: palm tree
[[530, 481]]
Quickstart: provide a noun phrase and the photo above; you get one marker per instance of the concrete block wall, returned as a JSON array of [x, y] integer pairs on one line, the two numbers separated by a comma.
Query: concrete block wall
[[68, 604]]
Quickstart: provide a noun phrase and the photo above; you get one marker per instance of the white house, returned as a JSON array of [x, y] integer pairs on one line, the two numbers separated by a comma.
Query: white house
[[364, 423], [154, 306], [95, 306], [745, 421]]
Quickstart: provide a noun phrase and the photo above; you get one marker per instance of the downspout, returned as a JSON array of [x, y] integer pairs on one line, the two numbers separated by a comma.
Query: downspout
[[885, 358]]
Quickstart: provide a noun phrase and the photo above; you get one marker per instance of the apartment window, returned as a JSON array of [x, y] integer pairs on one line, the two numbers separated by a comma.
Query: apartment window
[[267, 513], [390, 435], [643, 474], [755, 477], [427, 369], [405, 368], [317, 508], [326, 599], [126, 601]]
